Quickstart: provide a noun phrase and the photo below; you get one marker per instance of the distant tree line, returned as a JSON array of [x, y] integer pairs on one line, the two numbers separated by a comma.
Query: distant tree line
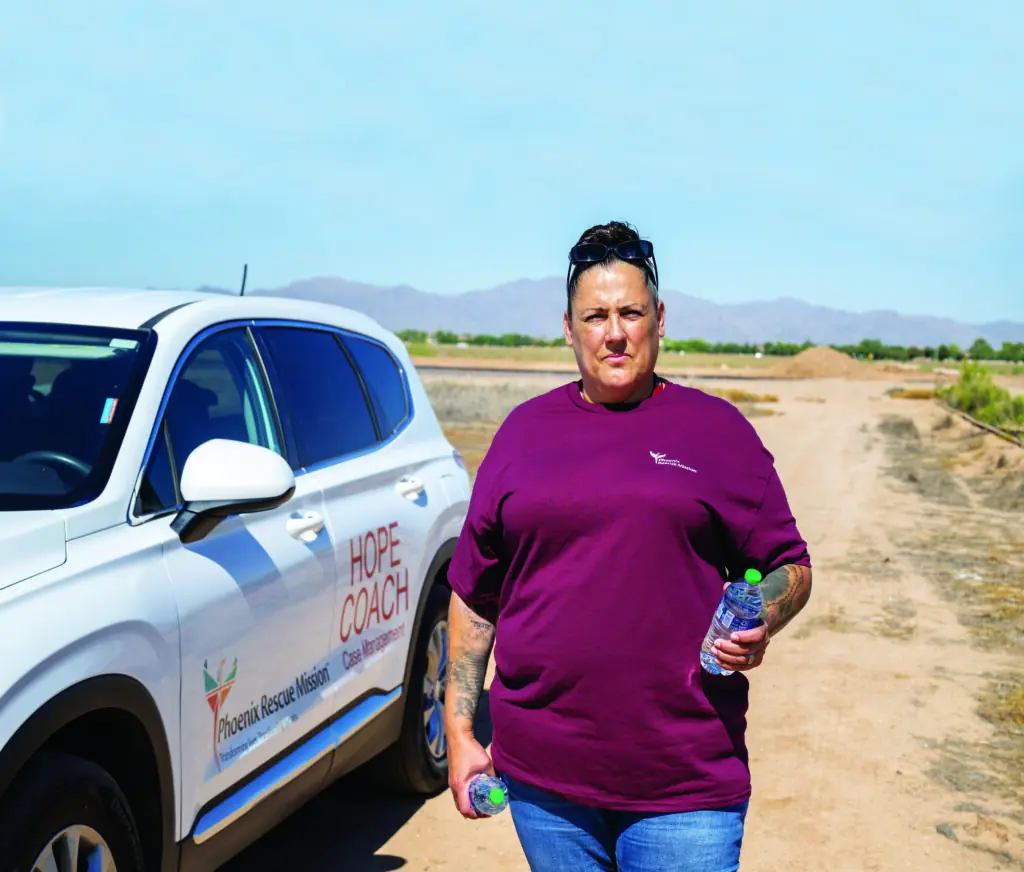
[[869, 349], [505, 340], [980, 349]]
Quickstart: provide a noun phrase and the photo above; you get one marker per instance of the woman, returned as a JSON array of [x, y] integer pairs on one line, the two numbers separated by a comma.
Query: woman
[[604, 522]]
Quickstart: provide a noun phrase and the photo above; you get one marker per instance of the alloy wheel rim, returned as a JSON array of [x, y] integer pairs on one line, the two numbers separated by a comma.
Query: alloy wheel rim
[[435, 682], [76, 848]]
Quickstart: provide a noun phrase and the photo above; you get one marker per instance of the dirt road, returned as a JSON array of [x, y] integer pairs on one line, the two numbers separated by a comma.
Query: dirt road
[[863, 715]]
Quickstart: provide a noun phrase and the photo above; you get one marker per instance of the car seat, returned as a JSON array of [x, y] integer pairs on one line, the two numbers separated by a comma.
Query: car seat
[[16, 383]]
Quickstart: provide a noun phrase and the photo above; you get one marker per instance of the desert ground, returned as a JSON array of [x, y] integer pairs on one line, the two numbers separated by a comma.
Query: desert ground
[[886, 726]]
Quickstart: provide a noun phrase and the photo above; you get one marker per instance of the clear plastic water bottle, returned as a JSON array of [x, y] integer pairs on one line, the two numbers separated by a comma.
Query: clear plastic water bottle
[[488, 795], [740, 609]]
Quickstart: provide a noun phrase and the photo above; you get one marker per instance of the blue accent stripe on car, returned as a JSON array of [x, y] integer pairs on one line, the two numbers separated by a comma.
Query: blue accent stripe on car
[[291, 766]]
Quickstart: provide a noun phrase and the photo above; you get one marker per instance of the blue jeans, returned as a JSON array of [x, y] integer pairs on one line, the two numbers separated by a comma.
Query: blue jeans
[[558, 835]]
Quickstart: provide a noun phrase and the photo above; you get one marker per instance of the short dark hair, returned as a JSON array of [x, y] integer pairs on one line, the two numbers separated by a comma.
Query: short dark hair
[[611, 233]]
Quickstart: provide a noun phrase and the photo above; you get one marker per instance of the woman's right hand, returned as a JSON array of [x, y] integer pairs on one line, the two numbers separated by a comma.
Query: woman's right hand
[[467, 758]]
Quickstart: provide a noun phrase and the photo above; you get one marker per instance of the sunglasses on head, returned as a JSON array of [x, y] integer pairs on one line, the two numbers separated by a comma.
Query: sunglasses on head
[[596, 252]]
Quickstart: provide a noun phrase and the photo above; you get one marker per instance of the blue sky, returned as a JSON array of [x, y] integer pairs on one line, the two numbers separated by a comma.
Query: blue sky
[[858, 155]]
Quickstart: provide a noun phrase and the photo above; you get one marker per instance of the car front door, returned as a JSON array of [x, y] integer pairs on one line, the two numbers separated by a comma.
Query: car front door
[[378, 497], [255, 596]]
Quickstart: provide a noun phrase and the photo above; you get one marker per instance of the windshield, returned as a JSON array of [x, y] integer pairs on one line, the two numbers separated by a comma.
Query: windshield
[[66, 394]]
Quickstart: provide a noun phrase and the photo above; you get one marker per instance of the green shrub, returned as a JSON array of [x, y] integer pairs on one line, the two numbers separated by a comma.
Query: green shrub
[[976, 394]]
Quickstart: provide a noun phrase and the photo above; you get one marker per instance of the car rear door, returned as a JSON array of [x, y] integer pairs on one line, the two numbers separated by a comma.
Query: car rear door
[[255, 596], [347, 402]]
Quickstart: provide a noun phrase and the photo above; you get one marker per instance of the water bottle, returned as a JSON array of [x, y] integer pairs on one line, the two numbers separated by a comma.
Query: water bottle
[[740, 609], [487, 795]]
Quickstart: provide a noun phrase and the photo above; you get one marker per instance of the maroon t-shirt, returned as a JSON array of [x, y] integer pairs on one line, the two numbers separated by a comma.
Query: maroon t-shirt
[[600, 539]]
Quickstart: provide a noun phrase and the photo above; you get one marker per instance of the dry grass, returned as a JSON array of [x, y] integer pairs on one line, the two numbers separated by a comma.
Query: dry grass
[[976, 566], [460, 401], [470, 413], [667, 360], [457, 402], [992, 469], [996, 367], [472, 442], [810, 399], [835, 621], [912, 394], [897, 619], [1006, 603], [738, 395], [488, 353], [953, 462], [975, 557], [1003, 703], [915, 464], [471, 408]]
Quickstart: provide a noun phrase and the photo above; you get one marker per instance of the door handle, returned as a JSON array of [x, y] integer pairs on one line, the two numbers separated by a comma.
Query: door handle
[[409, 487], [305, 525]]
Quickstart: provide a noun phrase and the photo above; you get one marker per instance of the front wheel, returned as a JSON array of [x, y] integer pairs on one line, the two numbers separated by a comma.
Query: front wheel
[[418, 761], [66, 814]]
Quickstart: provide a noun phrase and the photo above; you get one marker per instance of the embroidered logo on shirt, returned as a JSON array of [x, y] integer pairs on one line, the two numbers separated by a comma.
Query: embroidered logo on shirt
[[663, 460]]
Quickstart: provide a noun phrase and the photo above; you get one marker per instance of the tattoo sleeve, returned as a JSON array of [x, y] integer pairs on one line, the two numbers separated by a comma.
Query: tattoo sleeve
[[785, 591], [470, 638]]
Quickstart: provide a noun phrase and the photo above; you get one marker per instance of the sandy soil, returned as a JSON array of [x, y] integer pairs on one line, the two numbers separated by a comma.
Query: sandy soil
[[868, 751]]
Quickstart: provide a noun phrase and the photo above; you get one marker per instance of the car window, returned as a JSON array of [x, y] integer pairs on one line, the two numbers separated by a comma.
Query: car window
[[66, 394], [384, 382], [219, 394], [319, 394], [157, 490]]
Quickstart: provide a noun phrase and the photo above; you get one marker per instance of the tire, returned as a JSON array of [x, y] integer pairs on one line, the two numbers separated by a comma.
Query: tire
[[409, 766], [60, 793]]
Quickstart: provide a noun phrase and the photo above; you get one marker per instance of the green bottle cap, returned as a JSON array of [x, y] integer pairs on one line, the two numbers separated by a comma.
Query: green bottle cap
[[496, 796], [752, 576]]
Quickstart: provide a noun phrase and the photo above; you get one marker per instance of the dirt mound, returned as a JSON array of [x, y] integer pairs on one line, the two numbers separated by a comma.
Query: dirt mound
[[822, 362]]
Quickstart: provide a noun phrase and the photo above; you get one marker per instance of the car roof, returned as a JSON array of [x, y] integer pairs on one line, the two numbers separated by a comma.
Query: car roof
[[131, 308], [100, 307]]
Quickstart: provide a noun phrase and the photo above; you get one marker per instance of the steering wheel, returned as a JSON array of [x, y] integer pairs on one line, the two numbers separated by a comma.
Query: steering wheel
[[59, 457]]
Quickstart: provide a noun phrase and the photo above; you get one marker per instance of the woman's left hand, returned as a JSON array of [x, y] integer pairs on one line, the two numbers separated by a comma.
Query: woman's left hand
[[744, 650]]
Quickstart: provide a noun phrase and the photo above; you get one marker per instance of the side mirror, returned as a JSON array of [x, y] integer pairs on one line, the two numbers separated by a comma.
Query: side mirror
[[223, 477]]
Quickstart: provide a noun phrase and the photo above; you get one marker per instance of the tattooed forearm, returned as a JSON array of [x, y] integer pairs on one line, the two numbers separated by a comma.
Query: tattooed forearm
[[465, 682], [470, 638], [785, 591], [479, 629]]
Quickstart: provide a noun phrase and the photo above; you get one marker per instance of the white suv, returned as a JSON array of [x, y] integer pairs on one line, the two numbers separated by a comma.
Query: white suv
[[225, 525]]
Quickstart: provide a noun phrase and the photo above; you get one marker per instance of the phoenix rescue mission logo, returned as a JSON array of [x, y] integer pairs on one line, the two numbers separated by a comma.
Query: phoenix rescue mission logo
[[664, 460], [217, 690], [239, 731]]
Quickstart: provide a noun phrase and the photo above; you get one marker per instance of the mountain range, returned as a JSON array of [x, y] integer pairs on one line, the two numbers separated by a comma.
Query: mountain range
[[534, 307]]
